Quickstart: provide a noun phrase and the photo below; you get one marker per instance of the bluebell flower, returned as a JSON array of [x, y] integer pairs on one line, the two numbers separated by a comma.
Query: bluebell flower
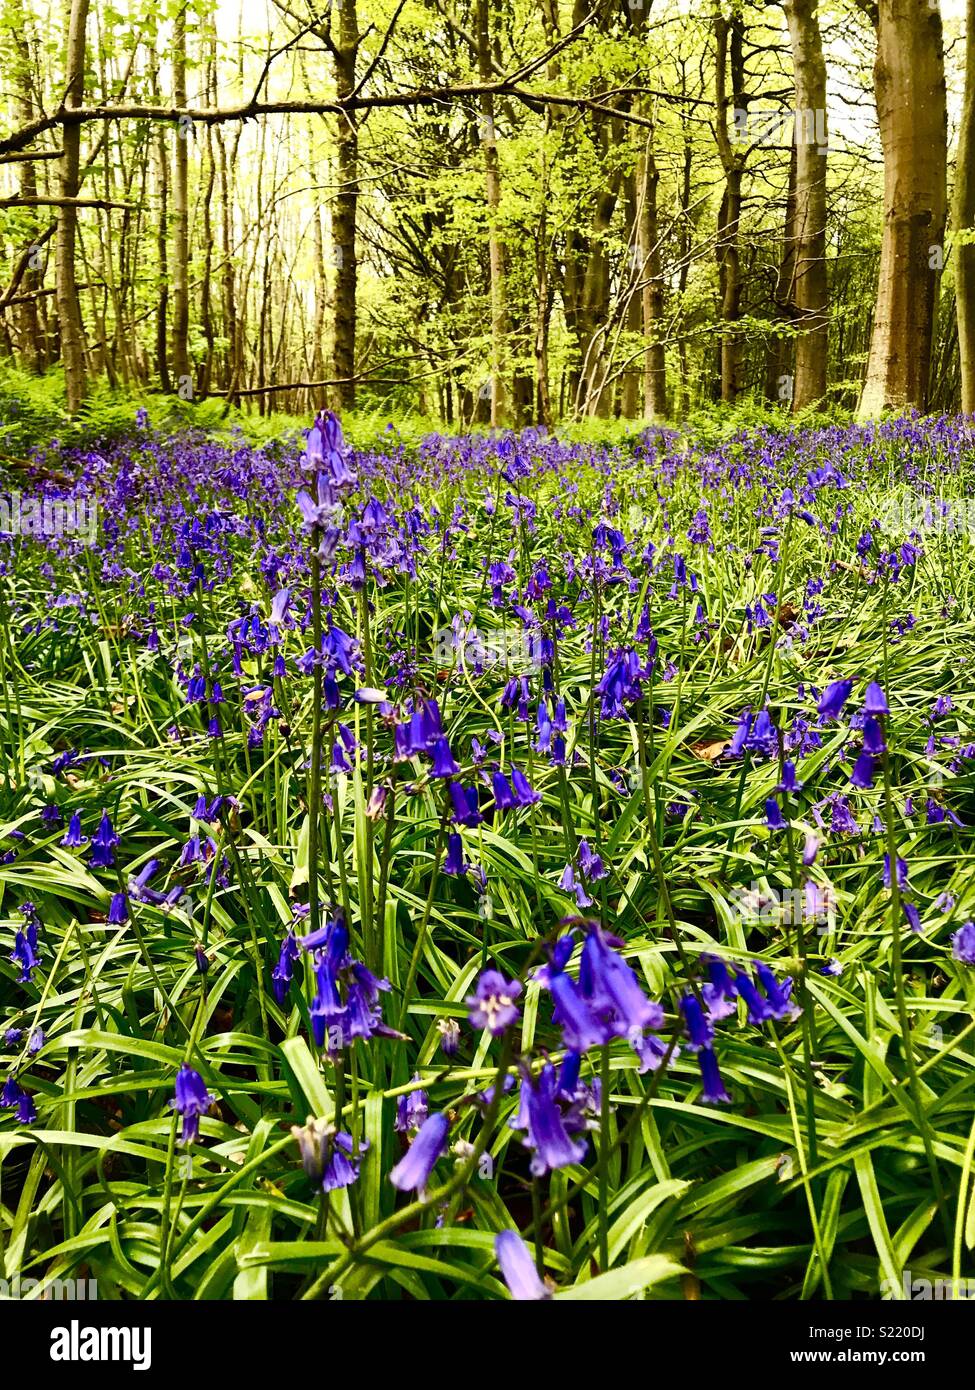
[[758, 1009], [912, 915], [328, 1155], [449, 1030], [774, 818], [714, 1092], [524, 793], [720, 992], [412, 1173], [833, 699], [118, 911], [412, 1109], [873, 736], [863, 772], [72, 837], [790, 782], [581, 1029], [492, 1006], [465, 807], [963, 944], [138, 886], [902, 872], [282, 976], [612, 988], [590, 864], [700, 1033], [518, 1268], [25, 953], [875, 701], [540, 1116], [14, 1097], [192, 1099], [454, 862], [780, 1003], [444, 763]]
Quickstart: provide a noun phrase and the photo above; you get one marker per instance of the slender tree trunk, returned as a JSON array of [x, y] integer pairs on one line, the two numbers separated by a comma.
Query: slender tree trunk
[[344, 212], [30, 341], [492, 182], [964, 221], [181, 217], [779, 376], [909, 79], [321, 299], [728, 39], [230, 326], [655, 361], [684, 240], [810, 138], [69, 309]]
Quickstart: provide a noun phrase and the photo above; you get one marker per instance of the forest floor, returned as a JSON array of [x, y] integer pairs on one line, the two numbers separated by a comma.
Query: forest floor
[[452, 866]]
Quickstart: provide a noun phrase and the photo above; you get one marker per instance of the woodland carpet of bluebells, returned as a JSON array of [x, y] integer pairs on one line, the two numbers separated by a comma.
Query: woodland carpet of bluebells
[[492, 867]]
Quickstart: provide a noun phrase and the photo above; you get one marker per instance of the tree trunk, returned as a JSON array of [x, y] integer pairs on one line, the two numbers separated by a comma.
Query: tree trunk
[[909, 79], [964, 221], [181, 219], [810, 137], [158, 143], [30, 340], [655, 360], [492, 187], [344, 212], [69, 309], [779, 374], [729, 42]]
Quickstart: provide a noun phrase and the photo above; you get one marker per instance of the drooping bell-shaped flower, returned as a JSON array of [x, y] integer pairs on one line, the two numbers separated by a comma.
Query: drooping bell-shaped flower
[[412, 1173], [518, 1268], [714, 1092], [833, 698], [192, 1099], [492, 1006]]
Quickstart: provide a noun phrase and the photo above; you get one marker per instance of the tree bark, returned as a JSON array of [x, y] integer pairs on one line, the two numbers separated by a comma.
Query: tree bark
[[30, 341], [492, 188], [344, 212], [655, 360], [728, 42], [779, 355], [69, 309], [964, 221], [909, 80], [810, 138], [181, 218]]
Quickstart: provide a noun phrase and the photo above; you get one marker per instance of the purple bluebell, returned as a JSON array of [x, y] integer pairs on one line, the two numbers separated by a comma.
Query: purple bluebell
[[700, 1033], [413, 1171], [412, 1109], [875, 701], [72, 837], [963, 944], [449, 1030], [713, 1092], [833, 699], [581, 1029], [540, 1116], [492, 1006], [192, 1099], [518, 1268], [720, 992]]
